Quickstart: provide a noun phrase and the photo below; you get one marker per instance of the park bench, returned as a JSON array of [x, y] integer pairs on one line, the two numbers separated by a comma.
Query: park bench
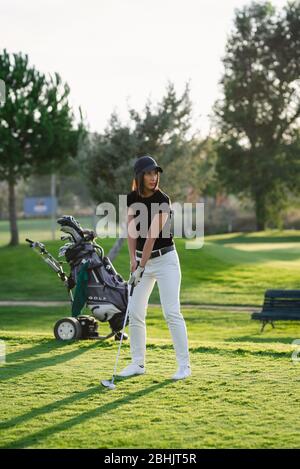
[[279, 305]]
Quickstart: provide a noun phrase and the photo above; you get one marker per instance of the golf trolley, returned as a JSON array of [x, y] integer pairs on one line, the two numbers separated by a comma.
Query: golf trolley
[[95, 283]]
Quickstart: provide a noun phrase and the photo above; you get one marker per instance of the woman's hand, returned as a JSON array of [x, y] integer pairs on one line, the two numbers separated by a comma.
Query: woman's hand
[[136, 276], [133, 265]]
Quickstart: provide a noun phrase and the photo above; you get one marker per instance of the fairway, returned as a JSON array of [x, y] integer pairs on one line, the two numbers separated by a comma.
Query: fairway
[[230, 269], [243, 392], [37, 229]]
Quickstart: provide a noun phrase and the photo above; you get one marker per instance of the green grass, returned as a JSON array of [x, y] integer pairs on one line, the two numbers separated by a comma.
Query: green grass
[[243, 392], [36, 228], [244, 389], [231, 269]]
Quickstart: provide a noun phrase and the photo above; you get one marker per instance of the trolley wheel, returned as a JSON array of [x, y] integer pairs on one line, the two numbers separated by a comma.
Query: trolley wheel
[[67, 329]]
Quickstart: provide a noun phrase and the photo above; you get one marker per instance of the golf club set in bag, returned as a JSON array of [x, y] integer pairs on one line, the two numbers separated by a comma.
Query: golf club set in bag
[[97, 285]]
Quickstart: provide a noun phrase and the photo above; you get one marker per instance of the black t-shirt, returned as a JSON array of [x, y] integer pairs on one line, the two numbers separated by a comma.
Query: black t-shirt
[[158, 197]]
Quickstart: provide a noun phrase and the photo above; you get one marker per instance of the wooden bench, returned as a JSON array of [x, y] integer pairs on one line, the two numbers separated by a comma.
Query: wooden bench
[[279, 305]]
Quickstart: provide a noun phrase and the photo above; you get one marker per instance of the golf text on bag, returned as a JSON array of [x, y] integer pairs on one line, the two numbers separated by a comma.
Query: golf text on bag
[[182, 215]]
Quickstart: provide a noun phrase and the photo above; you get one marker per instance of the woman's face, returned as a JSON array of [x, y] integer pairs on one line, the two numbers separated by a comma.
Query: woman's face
[[150, 179]]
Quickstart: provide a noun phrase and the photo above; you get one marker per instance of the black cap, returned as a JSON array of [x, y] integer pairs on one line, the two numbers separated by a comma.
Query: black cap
[[145, 163]]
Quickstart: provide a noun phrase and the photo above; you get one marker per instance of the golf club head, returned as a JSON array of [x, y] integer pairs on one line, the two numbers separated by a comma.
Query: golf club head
[[89, 235], [108, 384], [72, 227], [64, 248], [66, 238], [68, 229], [37, 244]]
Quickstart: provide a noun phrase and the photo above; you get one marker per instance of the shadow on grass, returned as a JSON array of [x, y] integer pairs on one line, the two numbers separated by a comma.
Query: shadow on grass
[[44, 346], [242, 352], [78, 419], [249, 238], [13, 370], [48, 408], [239, 351], [262, 340]]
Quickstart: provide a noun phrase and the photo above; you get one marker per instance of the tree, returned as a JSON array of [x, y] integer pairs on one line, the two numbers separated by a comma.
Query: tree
[[258, 117], [105, 160], [37, 132], [160, 130], [164, 131]]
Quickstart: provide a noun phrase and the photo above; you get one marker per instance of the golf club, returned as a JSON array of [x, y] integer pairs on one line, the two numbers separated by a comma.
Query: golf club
[[110, 383]]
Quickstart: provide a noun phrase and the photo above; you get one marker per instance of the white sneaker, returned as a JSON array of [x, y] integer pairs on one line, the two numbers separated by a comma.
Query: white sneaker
[[182, 372], [131, 370]]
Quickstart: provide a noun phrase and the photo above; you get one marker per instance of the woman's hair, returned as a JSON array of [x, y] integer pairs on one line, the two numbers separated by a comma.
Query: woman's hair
[[138, 183]]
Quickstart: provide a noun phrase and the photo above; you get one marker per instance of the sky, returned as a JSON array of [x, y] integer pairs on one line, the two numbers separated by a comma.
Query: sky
[[120, 53]]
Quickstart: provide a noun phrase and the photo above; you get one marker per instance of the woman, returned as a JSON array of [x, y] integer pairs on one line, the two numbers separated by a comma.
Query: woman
[[153, 258]]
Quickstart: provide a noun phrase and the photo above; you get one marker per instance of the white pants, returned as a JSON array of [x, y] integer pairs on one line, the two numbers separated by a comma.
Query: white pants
[[166, 271]]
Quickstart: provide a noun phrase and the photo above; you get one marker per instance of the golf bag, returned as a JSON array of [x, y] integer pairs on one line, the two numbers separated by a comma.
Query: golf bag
[[106, 291], [97, 284], [103, 290]]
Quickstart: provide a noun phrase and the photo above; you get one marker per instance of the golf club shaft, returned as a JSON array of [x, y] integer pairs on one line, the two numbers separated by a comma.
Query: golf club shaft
[[121, 340]]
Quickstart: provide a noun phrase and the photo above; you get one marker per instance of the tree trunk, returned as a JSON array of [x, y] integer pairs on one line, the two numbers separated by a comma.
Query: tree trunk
[[114, 251], [260, 211], [14, 241]]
